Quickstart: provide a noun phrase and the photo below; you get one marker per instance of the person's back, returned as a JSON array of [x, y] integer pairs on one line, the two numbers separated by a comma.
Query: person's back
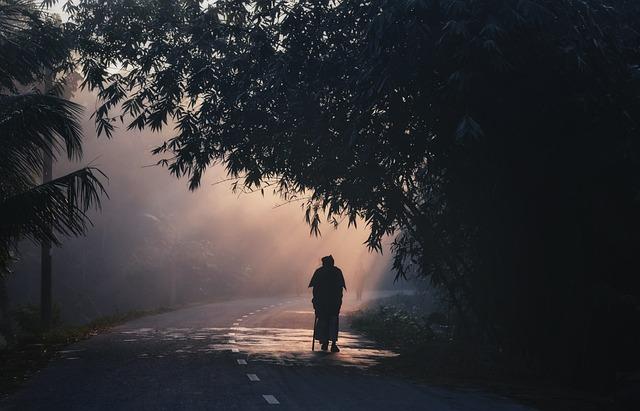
[[327, 283], [327, 290]]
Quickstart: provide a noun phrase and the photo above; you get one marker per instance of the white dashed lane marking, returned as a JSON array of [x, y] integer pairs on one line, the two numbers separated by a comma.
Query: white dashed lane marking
[[239, 319], [253, 377], [271, 399], [69, 351], [236, 323], [242, 362], [232, 341], [244, 316], [234, 350]]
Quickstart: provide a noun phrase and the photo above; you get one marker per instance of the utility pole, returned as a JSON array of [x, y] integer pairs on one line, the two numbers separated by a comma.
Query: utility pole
[[46, 304]]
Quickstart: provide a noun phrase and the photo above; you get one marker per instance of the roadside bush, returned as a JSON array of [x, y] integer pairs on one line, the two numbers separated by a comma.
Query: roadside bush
[[394, 326], [426, 343], [27, 318]]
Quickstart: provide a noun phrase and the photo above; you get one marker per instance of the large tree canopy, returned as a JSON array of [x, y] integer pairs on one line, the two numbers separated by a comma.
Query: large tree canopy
[[497, 139]]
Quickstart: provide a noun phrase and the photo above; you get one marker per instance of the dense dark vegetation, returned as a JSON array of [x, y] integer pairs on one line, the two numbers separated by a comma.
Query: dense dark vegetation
[[428, 352], [37, 125], [497, 139]]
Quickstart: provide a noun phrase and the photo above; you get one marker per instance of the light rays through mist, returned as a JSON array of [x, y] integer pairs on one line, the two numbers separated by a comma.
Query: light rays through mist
[[157, 243]]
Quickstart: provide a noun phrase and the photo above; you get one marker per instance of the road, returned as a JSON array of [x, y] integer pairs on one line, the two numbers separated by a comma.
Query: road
[[250, 354]]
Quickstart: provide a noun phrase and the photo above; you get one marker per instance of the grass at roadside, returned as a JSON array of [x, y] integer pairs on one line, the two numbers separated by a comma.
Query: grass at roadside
[[429, 353], [33, 350]]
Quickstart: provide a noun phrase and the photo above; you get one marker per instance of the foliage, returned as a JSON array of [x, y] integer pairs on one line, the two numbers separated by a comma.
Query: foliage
[[394, 327], [27, 318], [496, 138], [425, 348], [34, 123]]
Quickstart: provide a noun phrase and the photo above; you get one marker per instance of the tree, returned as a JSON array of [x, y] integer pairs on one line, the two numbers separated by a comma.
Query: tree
[[35, 125], [498, 140]]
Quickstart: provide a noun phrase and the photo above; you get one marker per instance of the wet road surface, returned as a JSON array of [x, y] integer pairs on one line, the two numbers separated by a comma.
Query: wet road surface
[[250, 354]]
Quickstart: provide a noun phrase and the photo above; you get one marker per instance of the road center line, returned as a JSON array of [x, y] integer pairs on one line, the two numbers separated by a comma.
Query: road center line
[[271, 399], [253, 377]]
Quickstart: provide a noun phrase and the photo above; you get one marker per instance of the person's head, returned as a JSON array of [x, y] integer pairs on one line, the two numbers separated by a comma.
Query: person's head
[[327, 261]]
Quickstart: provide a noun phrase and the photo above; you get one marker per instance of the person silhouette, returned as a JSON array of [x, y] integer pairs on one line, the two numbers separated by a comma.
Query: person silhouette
[[328, 283]]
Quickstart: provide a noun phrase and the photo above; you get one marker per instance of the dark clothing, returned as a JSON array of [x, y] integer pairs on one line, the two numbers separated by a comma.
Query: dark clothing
[[327, 283], [327, 328]]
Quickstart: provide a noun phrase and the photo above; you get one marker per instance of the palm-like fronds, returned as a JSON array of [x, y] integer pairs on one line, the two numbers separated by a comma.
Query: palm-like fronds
[[30, 43], [31, 125], [34, 125], [45, 211]]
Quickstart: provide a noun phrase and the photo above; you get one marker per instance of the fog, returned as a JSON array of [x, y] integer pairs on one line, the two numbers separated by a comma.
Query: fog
[[155, 243]]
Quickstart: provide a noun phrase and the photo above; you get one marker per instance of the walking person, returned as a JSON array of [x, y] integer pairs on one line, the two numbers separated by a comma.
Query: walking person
[[327, 283]]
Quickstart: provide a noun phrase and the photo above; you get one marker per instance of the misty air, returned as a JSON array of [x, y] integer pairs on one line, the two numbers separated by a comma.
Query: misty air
[[319, 205]]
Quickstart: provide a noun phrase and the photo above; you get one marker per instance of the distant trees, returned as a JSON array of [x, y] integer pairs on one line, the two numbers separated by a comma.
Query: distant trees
[[35, 124], [497, 139]]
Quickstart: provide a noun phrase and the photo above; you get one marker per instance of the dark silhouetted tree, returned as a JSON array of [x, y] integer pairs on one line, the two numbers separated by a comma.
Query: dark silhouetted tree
[[497, 139], [34, 124]]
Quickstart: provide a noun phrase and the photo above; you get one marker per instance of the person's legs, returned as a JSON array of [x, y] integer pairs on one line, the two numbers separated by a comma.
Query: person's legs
[[333, 332], [322, 332]]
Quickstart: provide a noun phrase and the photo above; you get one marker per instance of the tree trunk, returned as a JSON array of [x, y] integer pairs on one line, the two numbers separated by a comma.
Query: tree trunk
[[45, 273], [46, 306], [5, 322]]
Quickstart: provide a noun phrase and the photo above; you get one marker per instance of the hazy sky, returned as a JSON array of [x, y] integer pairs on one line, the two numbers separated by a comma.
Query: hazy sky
[[155, 242], [279, 232]]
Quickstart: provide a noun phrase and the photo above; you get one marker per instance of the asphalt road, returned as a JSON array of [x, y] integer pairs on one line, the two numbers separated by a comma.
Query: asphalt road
[[250, 354]]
